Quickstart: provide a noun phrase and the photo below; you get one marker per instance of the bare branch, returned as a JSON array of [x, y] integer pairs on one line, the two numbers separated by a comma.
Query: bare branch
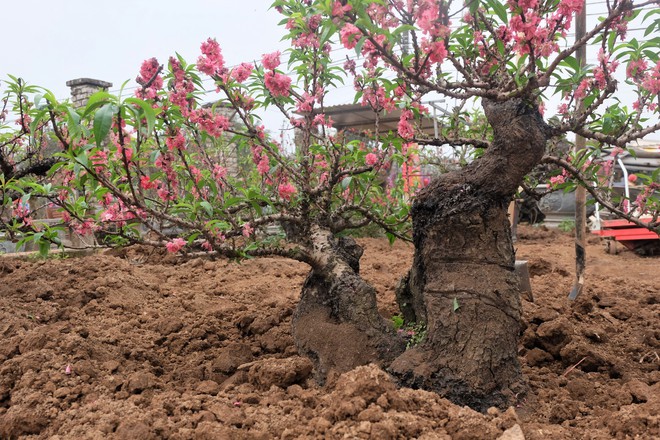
[[620, 141], [454, 142], [340, 223], [150, 81]]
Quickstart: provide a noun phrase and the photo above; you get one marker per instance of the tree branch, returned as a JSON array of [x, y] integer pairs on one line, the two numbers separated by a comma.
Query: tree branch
[[653, 226], [454, 142], [623, 6]]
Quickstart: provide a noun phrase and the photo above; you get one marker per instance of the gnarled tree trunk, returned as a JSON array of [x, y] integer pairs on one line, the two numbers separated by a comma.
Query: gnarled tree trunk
[[462, 283], [336, 322]]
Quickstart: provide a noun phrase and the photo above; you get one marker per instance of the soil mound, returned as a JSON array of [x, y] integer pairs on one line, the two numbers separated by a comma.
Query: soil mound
[[136, 344]]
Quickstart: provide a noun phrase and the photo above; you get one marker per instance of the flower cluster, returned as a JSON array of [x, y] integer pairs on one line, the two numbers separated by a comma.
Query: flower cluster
[[405, 128], [211, 62], [278, 84], [150, 79], [242, 72], [182, 88], [350, 35], [175, 245]]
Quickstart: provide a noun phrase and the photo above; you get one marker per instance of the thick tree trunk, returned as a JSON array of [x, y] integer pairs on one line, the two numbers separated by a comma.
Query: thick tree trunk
[[336, 322], [462, 283]]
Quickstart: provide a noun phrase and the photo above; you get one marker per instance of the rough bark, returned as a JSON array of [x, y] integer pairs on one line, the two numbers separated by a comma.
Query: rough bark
[[462, 283], [336, 322]]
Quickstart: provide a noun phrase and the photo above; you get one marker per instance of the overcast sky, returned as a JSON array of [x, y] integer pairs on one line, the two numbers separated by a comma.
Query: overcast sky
[[48, 42]]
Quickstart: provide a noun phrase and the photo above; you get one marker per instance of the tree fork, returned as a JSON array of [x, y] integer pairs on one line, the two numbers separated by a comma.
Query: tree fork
[[336, 322]]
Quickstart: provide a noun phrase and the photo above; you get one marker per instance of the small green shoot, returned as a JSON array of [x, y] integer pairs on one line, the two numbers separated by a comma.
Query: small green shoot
[[414, 333]]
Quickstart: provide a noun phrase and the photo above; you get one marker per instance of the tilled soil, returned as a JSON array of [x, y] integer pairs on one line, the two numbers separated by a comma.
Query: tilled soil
[[134, 345]]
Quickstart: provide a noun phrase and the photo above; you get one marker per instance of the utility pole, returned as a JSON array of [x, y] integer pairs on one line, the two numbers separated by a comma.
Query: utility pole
[[580, 192]]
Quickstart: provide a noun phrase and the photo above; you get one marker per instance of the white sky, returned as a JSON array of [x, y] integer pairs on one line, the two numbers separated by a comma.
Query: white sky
[[48, 42]]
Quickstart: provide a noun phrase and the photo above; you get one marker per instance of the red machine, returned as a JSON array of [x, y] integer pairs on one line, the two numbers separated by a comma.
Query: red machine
[[628, 234], [632, 236]]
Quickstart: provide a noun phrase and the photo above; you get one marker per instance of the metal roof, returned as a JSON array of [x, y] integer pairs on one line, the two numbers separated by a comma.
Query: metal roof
[[359, 117]]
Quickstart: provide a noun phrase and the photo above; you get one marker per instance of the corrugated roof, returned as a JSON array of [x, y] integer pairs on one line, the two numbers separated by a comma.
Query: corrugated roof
[[359, 117]]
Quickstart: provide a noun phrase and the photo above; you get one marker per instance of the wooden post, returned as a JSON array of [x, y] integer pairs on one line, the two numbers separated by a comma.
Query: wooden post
[[580, 192]]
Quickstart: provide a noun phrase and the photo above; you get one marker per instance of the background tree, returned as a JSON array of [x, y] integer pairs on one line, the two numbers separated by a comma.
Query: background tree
[[137, 169]]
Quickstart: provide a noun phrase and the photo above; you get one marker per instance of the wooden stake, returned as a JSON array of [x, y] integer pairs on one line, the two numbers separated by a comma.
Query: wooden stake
[[580, 192]]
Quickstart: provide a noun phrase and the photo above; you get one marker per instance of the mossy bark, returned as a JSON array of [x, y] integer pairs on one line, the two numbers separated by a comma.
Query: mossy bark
[[336, 322], [462, 284]]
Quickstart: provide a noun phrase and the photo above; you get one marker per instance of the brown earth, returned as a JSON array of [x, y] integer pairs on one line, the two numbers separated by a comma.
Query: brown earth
[[137, 346]]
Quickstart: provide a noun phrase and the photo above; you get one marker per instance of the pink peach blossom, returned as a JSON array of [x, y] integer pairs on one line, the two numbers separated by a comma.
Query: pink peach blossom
[[350, 35], [211, 62], [286, 190], [271, 60], [175, 245], [242, 72], [247, 230], [278, 84]]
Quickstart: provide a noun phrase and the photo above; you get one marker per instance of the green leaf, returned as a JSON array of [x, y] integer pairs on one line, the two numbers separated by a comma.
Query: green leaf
[[499, 9], [41, 115], [231, 201], [44, 248], [207, 207], [651, 55], [402, 29], [73, 115], [455, 306], [123, 86], [571, 62], [501, 48], [358, 46], [656, 175], [73, 121], [96, 100], [103, 122], [473, 5], [83, 160], [611, 40], [345, 182], [37, 99], [149, 113], [652, 12]]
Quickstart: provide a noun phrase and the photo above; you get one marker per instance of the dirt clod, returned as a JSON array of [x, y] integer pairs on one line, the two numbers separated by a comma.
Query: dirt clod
[[555, 335], [279, 372], [513, 433]]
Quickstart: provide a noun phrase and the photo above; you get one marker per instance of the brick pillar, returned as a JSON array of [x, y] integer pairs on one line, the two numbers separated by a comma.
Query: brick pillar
[[83, 88]]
